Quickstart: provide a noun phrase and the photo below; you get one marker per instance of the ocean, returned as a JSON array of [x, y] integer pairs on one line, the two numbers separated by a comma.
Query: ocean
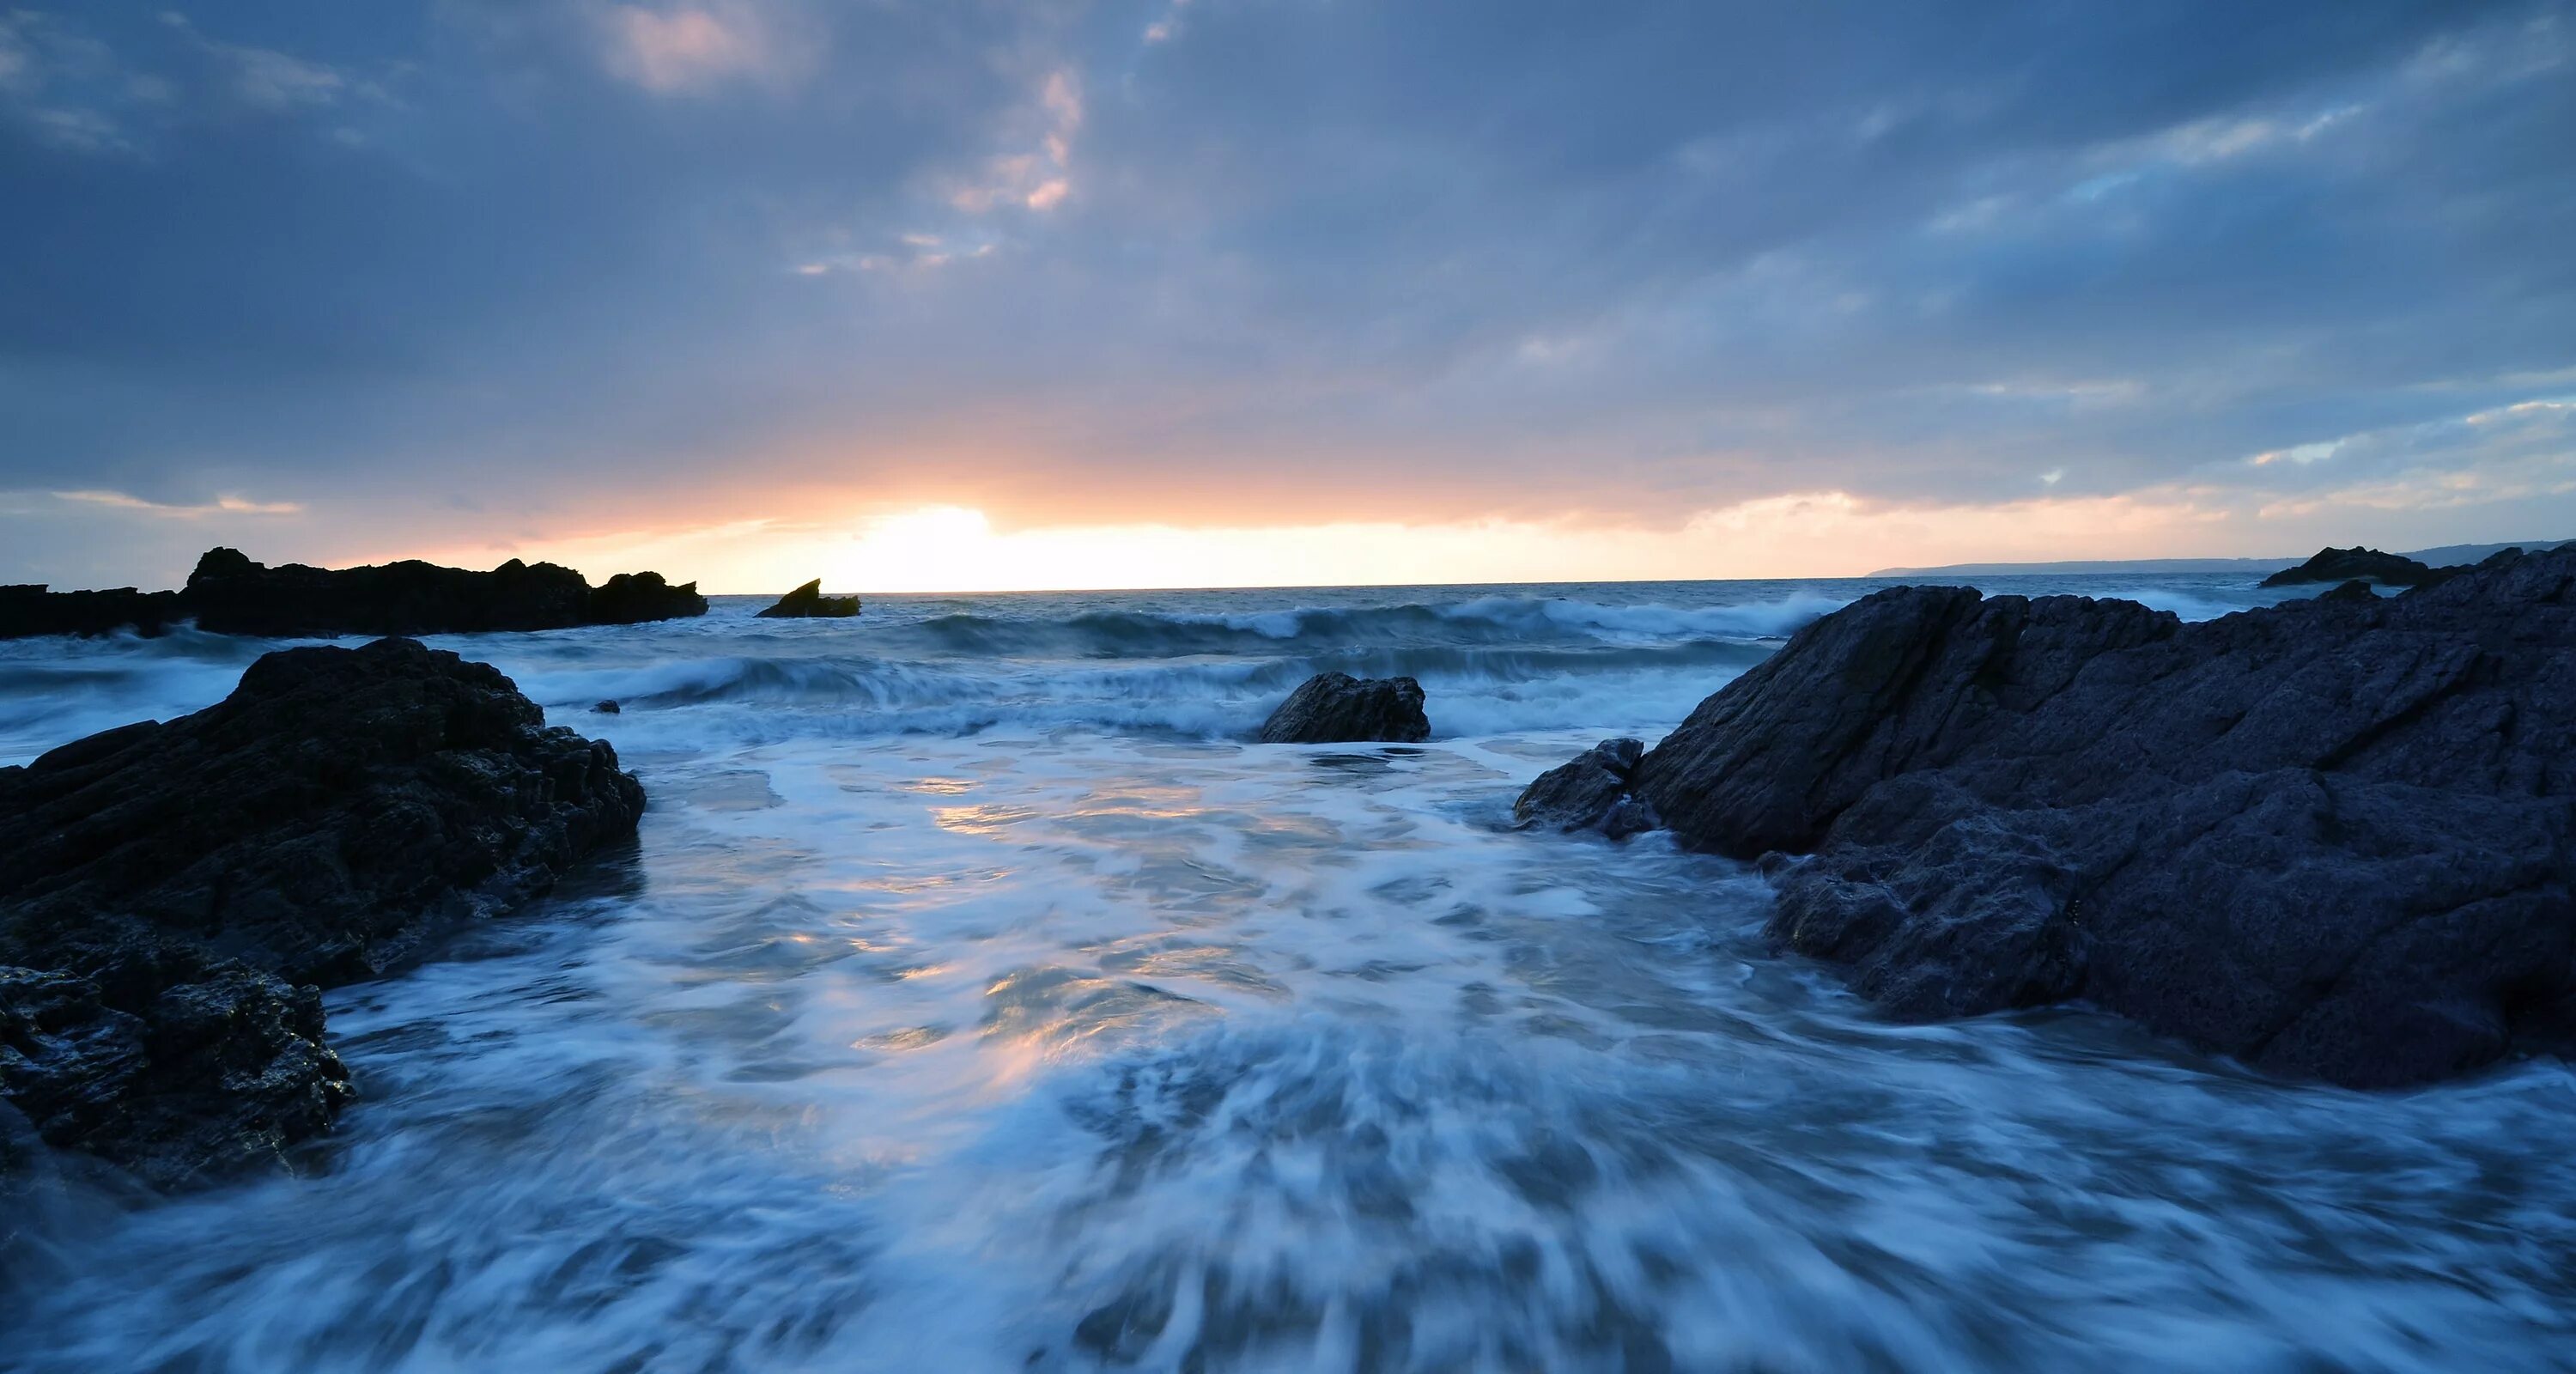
[[977, 997]]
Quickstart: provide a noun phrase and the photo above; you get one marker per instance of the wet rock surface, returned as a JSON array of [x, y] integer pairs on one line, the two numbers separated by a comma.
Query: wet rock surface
[[2331, 837], [1336, 708], [1590, 793], [808, 602], [174, 895]]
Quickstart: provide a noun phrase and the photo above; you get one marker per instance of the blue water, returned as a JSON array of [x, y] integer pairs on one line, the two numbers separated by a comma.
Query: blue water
[[980, 999]]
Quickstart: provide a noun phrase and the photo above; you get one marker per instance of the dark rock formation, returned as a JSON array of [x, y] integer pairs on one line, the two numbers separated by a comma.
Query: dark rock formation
[[2360, 564], [2336, 838], [172, 895], [608, 708], [1336, 708], [229, 594], [32, 610], [809, 601], [1591, 793], [633, 598]]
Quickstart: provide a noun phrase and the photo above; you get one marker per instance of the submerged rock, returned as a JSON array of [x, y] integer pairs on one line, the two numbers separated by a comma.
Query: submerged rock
[[1336, 708], [2332, 837], [809, 601], [1590, 793], [173, 895]]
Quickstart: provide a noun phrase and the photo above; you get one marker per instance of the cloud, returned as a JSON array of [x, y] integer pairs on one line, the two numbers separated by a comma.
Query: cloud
[[221, 505], [688, 49], [263, 78], [73, 91], [1039, 180], [1290, 265]]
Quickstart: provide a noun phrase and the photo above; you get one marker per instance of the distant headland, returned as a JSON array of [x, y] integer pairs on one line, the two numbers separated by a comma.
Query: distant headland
[[2447, 555]]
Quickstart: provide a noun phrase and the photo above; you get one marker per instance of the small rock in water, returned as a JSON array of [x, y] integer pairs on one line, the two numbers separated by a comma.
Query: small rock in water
[[1336, 708], [808, 602], [606, 708], [1589, 793]]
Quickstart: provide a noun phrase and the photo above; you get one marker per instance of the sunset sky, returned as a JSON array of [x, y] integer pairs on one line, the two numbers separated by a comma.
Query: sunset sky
[[917, 294]]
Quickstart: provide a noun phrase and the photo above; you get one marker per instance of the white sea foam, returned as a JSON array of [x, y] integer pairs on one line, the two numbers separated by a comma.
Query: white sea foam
[[1042, 1038]]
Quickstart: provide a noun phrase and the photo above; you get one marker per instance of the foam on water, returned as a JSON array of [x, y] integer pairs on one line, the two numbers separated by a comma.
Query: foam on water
[[1062, 1042]]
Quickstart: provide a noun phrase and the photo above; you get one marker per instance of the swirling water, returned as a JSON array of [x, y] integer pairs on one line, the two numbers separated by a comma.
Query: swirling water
[[976, 998]]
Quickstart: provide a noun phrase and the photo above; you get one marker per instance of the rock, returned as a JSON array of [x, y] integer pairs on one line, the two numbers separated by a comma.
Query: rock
[[1336, 708], [607, 708], [633, 598], [30, 609], [173, 895], [809, 601], [230, 594], [2368, 565], [1589, 793], [2332, 838], [1772, 760]]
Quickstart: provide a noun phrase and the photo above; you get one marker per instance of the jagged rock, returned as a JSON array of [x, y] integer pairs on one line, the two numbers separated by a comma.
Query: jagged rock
[[809, 601], [30, 609], [1336, 708], [633, 598], [2332, 838], [230, 594], [2360, 564], [172, 895], [1589, 793]]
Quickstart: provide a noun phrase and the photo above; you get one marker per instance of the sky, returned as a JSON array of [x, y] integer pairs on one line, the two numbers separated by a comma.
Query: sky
[[958, 294]]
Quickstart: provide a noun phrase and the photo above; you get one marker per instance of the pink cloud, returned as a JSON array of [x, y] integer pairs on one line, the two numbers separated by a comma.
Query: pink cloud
[[688, 49]]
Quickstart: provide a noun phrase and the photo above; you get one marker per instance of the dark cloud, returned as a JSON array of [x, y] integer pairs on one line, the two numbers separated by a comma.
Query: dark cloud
[[1279, 259]]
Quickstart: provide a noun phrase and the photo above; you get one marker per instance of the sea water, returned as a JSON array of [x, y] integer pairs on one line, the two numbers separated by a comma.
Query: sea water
[[978, 997]]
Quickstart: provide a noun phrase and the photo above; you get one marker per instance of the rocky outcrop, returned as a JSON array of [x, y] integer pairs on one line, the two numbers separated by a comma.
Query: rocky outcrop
[[1336, 708], [634, 598], [808, 601], [1591, 793], [173, 895], [2360, 564], [31, 609], [230, 594], [2335, 838]]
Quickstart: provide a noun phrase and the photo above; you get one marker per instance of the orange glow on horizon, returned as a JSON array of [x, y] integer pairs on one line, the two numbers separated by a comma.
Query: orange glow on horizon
[[951, 548]]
